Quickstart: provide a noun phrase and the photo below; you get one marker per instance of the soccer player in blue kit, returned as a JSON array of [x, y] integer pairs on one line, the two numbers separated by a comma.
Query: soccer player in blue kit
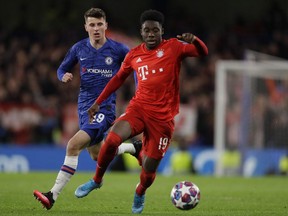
[[99, 58]]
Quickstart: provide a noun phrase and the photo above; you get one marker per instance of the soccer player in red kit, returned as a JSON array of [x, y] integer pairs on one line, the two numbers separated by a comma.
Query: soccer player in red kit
[[156, 102]]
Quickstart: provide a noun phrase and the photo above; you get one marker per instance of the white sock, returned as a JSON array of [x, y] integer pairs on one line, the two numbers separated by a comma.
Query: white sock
[[65, 174], [126, 148]]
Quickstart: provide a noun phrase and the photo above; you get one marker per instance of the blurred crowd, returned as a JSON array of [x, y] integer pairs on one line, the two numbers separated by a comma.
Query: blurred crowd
[[36, 108]]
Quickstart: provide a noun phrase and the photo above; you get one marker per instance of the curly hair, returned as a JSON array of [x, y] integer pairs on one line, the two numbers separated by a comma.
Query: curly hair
[[152, 15]]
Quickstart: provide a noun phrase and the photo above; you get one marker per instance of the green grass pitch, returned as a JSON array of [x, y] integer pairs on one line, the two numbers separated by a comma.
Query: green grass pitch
[[233, 196]]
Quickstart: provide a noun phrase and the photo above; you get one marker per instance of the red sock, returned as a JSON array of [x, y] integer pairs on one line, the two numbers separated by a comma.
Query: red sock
[[106, 155], [146, 180]]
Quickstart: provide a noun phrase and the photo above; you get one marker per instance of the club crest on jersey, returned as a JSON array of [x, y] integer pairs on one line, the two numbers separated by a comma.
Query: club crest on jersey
[[108, 60], [159, 53]]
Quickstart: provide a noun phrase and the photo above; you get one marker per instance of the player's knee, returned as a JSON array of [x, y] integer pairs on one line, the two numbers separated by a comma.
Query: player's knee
[[72, 149], [148, 169], [112, 142], [150, 165], [122, 128]]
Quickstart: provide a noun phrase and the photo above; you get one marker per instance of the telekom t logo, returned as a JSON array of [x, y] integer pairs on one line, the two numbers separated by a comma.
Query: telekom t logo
[[143, 71]]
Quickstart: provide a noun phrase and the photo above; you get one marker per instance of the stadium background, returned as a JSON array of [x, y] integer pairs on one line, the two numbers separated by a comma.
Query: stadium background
[[37, 112]]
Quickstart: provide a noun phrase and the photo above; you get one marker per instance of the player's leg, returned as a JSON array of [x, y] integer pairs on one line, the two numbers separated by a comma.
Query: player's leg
[[120, 131], [137, 144], [98, 135], [147, 177], [126, 126], [106, 155], [75, 145], [157, 137], [85, 189], [133, 148]]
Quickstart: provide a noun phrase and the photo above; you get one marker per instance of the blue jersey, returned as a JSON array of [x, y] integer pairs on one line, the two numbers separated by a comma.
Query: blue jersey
[[97, 67]]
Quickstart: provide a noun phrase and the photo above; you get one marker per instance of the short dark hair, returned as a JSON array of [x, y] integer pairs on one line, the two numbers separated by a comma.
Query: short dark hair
[[95, 12], [152, 15]]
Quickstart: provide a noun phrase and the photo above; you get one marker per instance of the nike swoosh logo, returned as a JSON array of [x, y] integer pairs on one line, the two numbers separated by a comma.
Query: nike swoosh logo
[[81, 59]]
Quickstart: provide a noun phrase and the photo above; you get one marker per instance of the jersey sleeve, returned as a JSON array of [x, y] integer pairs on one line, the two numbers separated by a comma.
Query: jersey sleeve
[[68, 63]]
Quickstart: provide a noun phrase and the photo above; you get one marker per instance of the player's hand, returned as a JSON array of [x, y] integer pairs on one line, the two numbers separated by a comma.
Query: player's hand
[[67, 77], [187, 37], [92, 111]]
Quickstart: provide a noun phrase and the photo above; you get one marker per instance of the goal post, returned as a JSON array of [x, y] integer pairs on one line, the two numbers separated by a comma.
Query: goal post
[[250, 97]]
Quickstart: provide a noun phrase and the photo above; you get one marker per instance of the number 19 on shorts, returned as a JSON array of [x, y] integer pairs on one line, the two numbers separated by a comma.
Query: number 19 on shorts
[[99, 117], [164, 141]]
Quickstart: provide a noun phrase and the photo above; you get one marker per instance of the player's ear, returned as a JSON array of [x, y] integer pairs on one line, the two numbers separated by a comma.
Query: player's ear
[[85, 26]]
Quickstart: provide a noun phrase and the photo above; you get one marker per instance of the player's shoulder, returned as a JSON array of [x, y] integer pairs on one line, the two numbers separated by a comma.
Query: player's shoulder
[[80, 43], [173, 41], [114, 42], [117, 45], [134, 52], [137, 48]]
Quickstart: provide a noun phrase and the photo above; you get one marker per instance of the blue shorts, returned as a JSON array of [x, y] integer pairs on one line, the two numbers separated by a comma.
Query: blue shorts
[[98, 129]]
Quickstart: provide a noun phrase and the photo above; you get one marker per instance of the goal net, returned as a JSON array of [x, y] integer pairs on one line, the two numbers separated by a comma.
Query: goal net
[[251, 112]]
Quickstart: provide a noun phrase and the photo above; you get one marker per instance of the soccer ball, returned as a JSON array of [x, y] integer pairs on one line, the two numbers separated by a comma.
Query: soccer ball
[[185, 195]]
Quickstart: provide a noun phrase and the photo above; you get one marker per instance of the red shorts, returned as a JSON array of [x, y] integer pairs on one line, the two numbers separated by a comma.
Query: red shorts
[[156, 134]]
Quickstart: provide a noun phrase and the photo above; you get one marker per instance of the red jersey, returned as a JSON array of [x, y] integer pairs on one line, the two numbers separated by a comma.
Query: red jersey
[[158, 76]]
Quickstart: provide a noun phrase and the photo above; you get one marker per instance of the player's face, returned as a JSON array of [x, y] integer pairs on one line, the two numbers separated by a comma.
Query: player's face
[[96, 28], [151, 32]]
